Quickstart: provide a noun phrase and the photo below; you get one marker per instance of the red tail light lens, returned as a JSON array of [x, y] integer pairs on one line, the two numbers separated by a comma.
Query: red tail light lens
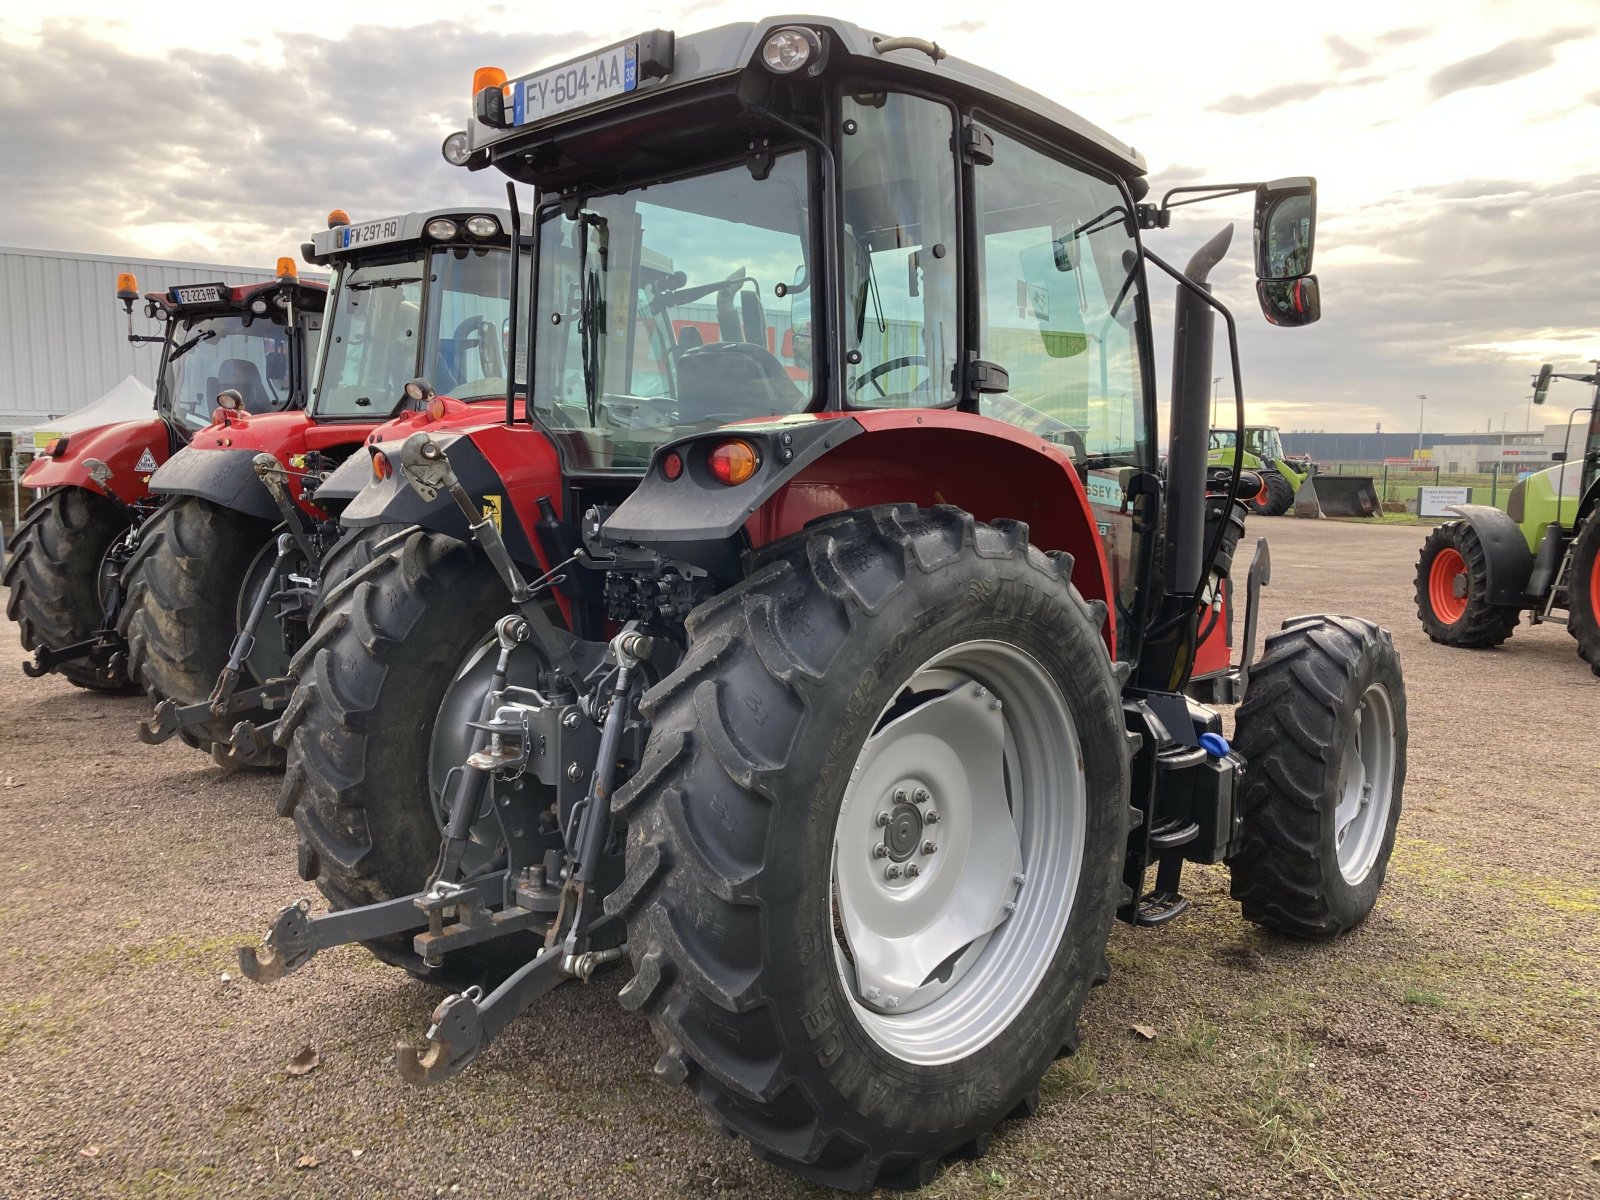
[[672, 464], [733, 462]]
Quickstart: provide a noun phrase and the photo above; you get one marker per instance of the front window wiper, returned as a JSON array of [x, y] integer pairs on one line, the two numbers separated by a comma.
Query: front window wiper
[[366, 285], [191, 344]]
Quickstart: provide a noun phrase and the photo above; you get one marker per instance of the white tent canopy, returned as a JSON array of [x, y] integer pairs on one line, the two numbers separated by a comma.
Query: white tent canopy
[[129, 400]]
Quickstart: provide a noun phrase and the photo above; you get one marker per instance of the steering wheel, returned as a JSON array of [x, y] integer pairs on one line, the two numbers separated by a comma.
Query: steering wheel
[[884, 368], [488, 350]]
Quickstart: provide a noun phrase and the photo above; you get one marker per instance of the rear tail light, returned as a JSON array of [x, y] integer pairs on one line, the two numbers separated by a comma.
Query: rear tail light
[[672, 464], [382, 468], [732, 462]]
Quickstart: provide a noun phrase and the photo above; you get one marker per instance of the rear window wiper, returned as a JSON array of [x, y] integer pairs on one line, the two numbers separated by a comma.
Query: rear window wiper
[[366, 285]]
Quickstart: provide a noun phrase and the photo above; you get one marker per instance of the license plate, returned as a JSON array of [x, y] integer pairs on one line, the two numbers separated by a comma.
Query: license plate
[[368, 233], [612, 72], [205, 294]]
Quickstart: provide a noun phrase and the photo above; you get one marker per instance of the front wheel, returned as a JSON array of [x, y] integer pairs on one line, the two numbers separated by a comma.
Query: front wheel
[[1323, 734], [875, 846], [1583, 592], [1452, 591], [1276, 496]]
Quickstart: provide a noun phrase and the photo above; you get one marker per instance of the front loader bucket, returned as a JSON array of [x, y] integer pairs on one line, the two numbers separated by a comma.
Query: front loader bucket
[[1343, 495]]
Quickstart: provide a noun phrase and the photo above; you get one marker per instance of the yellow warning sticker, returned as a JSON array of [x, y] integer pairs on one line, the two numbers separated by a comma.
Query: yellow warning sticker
[[491, 510]]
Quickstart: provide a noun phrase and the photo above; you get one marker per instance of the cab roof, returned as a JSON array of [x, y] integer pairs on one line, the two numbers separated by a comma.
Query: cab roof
[[729, 50], [191, 298], [396, 232]]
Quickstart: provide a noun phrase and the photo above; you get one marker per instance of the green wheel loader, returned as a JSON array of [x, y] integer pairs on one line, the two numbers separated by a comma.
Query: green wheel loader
[[1281, 477], [1477, 575]]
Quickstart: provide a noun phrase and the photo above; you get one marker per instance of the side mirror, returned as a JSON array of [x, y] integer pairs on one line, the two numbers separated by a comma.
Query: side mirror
[[1290, 302], [1541, 385], [1285, 227]]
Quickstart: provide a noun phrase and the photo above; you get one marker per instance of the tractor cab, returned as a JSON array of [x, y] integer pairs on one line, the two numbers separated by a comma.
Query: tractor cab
[[1262, 441], [240, 348], [421, 294]]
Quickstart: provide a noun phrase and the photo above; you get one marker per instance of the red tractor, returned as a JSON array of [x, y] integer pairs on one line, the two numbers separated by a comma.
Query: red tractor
[[839, 661], [225, 578], [74, 542]]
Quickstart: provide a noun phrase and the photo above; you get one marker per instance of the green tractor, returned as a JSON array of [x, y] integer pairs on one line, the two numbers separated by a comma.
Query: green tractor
[[1477, 574], [1281, 477]]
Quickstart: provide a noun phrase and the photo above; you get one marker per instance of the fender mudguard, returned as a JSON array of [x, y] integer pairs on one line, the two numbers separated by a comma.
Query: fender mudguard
[[1507, 560], [393, 500], [122, 447], [224, 477], [813, 465], [347, 480]]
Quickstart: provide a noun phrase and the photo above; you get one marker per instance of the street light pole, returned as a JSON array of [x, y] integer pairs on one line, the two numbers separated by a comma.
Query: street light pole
[[1422, 407], [1214, 383]]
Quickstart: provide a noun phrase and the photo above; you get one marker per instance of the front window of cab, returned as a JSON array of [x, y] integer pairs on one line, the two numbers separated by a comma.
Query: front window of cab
[[216, 354], [673, 307], [469, 313], [370, 349]]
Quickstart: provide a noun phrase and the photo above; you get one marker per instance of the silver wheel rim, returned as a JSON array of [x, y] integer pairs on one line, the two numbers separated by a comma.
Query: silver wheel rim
[[957, 852], [1366, 785]]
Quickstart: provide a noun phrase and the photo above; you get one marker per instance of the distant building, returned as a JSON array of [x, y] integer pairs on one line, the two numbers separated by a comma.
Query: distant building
[[63, 335], [1375, 447]]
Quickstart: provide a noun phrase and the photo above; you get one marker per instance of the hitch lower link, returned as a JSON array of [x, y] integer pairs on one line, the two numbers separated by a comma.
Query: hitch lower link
[[247, 740], [517, 730]]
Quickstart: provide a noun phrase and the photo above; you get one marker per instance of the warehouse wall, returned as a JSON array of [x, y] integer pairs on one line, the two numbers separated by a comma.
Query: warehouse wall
[[63, 335]]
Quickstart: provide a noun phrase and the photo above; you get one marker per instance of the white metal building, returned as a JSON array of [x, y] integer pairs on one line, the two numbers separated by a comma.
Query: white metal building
[[63, 334]]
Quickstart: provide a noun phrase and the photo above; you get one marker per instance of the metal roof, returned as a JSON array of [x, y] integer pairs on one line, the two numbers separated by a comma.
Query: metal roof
[[63, 336]]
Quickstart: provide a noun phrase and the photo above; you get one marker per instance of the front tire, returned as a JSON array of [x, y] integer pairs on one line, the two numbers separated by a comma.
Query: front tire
[[1452, 591], [1276, 496], [888, 651], [361, 780], [55, 576], [1583, 592], [184, 587], [1323, 734]]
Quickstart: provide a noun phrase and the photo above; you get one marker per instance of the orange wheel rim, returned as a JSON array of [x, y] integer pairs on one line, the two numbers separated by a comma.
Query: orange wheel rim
[[1448, 566], [1594, 588], [1265, 494]]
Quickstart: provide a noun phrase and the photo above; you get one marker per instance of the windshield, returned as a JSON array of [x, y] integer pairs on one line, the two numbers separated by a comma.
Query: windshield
[[673, 307], [214, 354], [370, 350], [469, 312]]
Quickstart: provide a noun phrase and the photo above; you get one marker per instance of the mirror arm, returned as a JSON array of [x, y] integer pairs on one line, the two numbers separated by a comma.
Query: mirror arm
[[1153, 216]]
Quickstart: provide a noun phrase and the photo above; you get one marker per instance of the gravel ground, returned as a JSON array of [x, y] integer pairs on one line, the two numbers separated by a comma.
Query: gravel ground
[[1446, 1048]]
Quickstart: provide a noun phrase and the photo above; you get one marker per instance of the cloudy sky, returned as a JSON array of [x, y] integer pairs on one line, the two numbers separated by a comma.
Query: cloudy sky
[[1456, 145]]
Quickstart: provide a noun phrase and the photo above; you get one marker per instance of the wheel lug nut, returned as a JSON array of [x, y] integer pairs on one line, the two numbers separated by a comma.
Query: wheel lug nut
[[930, 817], [883, 819], [912, 870], [923, 796], [880, 851], [928, 847], [891, 872], [901, 795]]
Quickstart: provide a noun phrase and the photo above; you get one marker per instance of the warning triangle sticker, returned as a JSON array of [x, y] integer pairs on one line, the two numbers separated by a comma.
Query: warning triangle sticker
[[147, 461]]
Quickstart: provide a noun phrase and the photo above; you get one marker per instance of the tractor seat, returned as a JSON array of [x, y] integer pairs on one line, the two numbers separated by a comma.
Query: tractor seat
[[733, 378], [244, 377]]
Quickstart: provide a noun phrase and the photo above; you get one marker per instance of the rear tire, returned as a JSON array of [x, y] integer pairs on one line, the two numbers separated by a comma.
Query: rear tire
[[54, 576], [359, 727], [1583, 592], [736, 813], [1324, 713], [180, 615], [1452, 587], [347, 557]]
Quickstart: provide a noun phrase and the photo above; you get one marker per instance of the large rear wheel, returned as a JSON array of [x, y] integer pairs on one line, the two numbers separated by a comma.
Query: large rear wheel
[[1583, 592], [56, 573], [875, 846], [188, 587], [1323, 733], [1452, 591], [395, 668]]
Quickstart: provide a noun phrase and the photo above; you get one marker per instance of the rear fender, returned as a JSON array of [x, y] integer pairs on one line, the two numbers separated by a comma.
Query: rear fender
[[815, 465], [351, 477], [505, 469], [1507, 560], [121, 447]]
